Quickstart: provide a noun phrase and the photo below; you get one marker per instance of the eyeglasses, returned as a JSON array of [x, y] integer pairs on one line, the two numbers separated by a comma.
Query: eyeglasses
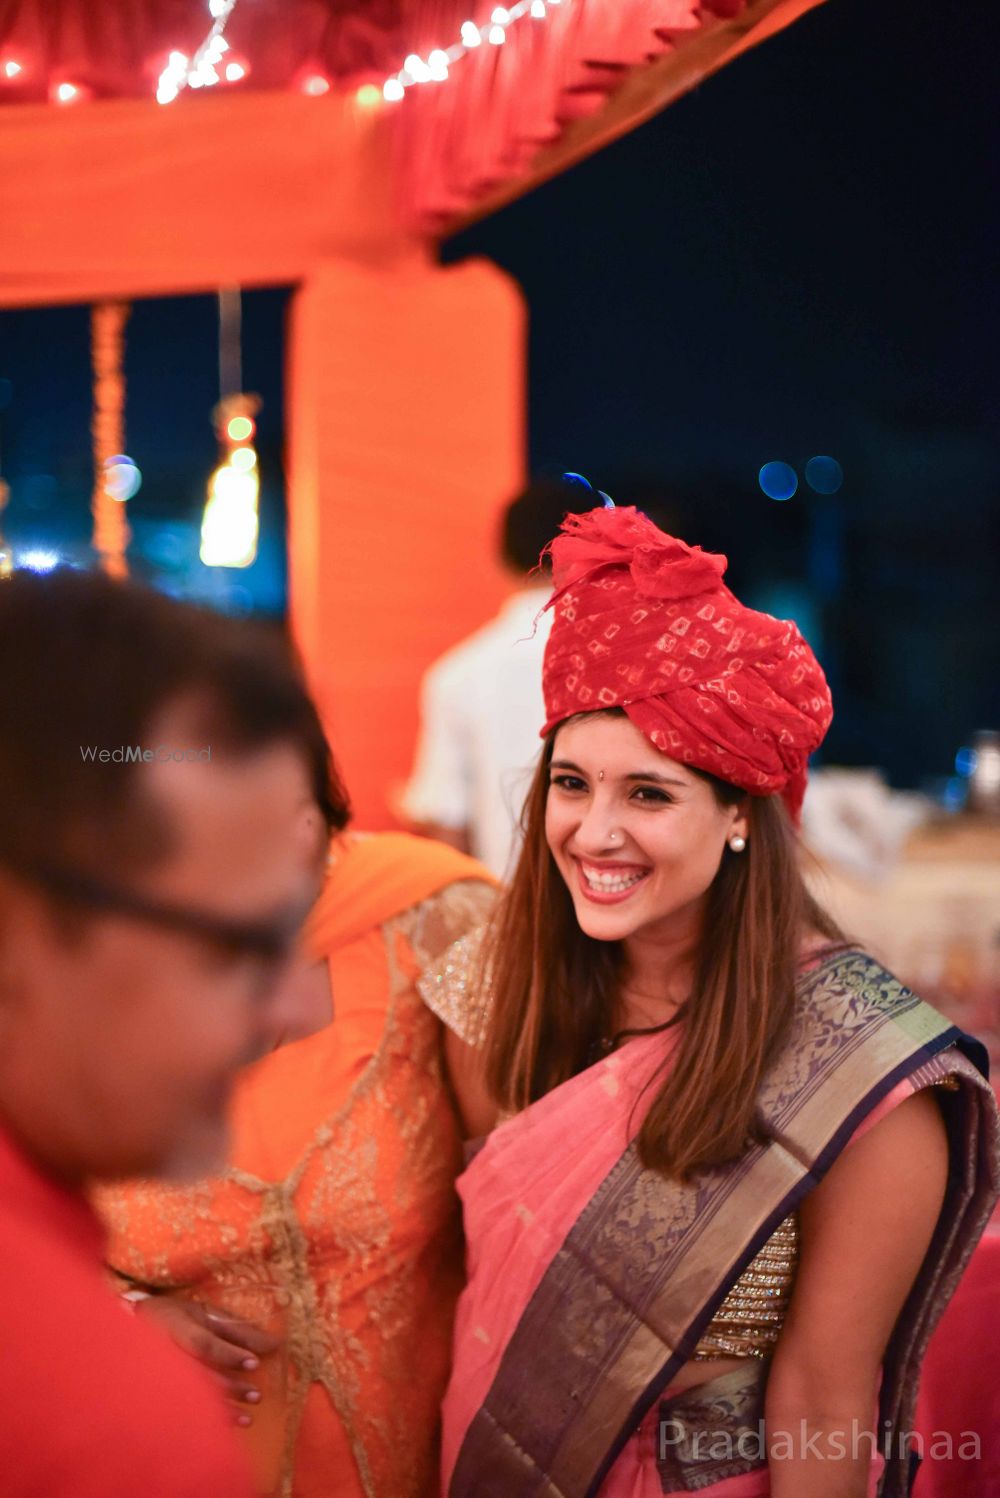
[[271, 943]]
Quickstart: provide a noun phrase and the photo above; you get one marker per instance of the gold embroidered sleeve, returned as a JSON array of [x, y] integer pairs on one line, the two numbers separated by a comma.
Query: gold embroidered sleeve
[[447, 940]]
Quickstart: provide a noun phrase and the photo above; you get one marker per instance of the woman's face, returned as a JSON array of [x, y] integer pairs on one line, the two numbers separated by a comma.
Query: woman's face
[[637, 837]]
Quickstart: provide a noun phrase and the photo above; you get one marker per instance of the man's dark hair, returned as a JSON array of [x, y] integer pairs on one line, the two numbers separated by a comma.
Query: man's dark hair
[[91, 663], [533, 519]]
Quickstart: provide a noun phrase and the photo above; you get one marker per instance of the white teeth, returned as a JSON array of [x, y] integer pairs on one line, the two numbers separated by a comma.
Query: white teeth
[[610, 884]]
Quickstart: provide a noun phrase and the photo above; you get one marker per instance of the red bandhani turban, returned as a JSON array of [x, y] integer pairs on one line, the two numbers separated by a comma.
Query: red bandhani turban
[[644, 622]]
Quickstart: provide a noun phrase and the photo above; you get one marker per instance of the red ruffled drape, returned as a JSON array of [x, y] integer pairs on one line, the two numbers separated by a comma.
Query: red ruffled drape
[[465, 138]]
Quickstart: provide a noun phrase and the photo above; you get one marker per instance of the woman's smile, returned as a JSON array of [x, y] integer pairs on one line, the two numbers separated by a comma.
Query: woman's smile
[[609, 883]]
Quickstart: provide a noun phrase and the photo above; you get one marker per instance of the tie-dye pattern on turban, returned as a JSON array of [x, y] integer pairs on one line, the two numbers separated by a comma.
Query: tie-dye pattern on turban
[[644, 622]]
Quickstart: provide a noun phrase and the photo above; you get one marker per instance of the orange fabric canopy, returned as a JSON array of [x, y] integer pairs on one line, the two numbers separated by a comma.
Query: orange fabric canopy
[[456, 142], [123, 198]]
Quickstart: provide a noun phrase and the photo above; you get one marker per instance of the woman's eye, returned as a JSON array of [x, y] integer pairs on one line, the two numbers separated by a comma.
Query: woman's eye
[[649, 793], [569, 782]]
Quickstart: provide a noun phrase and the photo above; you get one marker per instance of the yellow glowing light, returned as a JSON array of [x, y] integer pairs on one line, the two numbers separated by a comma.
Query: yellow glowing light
[[239, 428], [243, 459], [369, 96], [230, 524]]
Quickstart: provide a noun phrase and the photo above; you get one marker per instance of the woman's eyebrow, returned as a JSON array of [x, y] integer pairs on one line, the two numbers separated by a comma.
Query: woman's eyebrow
[[651, 775], [646, 775]]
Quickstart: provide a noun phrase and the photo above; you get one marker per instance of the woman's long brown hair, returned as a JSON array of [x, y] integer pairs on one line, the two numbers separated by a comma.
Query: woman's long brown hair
[[555, 988]]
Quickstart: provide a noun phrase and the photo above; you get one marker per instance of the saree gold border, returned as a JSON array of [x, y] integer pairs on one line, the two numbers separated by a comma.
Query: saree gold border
[[606, 1324], [855, 1027], [973, 1191]]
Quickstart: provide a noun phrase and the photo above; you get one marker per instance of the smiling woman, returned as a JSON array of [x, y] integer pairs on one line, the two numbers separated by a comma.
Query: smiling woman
[[651, 900], [677, 1234], [642, 837]]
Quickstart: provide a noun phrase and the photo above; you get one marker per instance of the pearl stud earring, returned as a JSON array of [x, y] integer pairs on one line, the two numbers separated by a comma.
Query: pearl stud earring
[[737, 843]]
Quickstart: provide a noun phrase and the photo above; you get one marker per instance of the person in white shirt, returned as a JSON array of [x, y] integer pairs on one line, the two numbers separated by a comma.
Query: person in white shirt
[[481, 702]]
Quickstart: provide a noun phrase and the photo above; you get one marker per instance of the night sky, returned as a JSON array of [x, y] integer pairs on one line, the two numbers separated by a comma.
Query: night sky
[[795, 260]]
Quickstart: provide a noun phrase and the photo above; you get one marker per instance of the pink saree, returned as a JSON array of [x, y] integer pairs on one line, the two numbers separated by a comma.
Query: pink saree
[[591, 1279]]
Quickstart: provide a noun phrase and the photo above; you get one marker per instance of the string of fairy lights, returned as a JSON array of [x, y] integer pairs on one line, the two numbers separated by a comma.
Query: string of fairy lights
[[214, 61], [209, 64], [435, 67]]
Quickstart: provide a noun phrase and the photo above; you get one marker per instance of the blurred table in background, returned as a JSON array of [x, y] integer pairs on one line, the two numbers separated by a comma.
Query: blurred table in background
[[934, 920]]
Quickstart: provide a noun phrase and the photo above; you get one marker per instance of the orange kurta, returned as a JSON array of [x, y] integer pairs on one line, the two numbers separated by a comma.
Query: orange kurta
[[340, 1199]]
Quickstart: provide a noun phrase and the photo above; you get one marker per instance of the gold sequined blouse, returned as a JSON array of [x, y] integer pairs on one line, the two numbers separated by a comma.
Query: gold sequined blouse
[[750, 1318]]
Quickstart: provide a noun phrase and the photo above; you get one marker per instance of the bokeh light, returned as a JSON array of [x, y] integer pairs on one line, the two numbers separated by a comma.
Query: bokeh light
[[965, 760], [243, 459], [778, 480], [37, 560], [824, 475], [170, 545], [122, 477]]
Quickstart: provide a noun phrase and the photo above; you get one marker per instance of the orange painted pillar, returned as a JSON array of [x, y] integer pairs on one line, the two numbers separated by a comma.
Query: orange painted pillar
[[406, 420]]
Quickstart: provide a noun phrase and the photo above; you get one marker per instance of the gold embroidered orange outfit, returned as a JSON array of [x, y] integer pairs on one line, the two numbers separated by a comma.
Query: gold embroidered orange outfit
[[341, 1194]]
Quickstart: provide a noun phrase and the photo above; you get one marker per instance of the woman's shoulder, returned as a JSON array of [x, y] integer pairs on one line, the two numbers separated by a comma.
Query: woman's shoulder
[[455, 987], [843, 964]]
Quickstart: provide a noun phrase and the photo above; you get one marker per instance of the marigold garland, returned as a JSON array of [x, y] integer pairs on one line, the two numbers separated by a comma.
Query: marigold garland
[[111, 529]]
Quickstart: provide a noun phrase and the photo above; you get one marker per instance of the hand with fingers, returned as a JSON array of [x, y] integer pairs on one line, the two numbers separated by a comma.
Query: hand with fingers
[[231, 1347]]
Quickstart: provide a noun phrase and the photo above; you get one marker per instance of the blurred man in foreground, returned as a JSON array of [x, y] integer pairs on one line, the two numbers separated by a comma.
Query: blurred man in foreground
[[165, 800]]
